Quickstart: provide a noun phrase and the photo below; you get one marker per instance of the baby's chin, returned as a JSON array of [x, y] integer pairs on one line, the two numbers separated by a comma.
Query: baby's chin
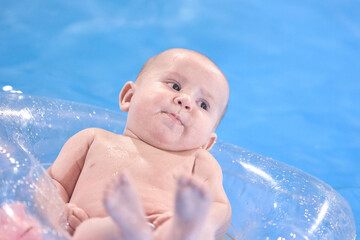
[[171, 145], [165, 140]]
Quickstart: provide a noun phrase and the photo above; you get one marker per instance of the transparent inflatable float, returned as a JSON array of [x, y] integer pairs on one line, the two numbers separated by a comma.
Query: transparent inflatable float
[[269, 199]]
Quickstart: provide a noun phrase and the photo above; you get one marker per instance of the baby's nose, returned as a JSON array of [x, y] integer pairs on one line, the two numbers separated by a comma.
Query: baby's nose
[[184, 101]]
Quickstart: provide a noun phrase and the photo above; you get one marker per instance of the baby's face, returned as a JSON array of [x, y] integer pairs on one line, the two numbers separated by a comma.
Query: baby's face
[[178, 101]]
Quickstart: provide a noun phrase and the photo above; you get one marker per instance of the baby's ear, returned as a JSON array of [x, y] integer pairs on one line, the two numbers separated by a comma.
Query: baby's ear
[[210, 143], [125, 96]]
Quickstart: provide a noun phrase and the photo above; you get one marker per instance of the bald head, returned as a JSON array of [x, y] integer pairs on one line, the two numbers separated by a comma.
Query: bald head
[[174, 53], [165, 59]]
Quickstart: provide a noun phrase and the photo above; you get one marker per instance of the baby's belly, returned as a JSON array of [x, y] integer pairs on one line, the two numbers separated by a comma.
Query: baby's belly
[[154, 179], [156, 194], [88, 196]]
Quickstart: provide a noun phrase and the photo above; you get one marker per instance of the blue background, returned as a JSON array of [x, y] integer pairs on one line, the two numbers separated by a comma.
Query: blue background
[[293, 67]]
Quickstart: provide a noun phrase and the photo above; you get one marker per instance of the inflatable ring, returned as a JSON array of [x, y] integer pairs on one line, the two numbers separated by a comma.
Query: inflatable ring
[[269, 199]]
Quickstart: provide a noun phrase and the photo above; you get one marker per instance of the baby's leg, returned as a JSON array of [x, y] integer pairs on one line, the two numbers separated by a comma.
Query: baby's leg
[[97, 229], [124, 207], [192, 206]]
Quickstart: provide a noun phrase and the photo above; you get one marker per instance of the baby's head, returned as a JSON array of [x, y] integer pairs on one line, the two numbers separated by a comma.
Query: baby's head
[[176, 102]]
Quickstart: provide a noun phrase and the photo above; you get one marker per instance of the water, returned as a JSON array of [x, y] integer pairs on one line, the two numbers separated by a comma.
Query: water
[[293, 67]]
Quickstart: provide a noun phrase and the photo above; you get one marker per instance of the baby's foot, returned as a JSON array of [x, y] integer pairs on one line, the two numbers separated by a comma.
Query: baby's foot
[[192, 205], [124, 207]]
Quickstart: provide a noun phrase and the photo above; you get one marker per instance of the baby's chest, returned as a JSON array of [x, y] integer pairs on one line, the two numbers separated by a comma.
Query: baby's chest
[[145, 167], [152, 173]]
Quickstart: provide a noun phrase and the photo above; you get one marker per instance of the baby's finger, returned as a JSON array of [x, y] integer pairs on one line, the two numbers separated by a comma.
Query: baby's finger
[[80, 214], [70, 229], [68, 211], [74, 222], [69, 208]]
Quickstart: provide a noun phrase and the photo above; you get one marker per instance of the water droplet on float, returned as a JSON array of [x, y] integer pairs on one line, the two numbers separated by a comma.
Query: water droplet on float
[[7, 88], [12, 160]]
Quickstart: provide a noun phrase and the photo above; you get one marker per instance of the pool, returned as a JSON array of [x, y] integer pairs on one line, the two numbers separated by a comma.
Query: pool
[[293, 68]]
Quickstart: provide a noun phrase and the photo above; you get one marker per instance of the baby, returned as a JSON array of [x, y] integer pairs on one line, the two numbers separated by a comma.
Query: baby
[[167, 185]]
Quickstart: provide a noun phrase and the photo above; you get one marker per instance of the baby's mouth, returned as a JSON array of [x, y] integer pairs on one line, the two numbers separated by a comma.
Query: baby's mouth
[[175, 118]]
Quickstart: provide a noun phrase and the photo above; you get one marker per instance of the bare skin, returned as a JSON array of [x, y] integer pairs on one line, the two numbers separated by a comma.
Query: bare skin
[[129, 216], [173, 110], [192, 204], [191, 207]]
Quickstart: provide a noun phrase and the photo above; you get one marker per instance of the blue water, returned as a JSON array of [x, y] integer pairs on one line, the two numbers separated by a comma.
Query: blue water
[[293, 67]]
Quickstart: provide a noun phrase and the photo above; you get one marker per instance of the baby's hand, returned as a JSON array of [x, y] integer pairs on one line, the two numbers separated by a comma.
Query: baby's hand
[[74, 217]]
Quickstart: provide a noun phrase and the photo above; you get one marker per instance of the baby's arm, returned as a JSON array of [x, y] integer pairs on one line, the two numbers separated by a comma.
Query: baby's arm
[[68, 165], [66, 170], [209, 171]]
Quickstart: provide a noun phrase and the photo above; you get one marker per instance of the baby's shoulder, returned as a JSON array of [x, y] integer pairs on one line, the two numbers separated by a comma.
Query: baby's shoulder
[[204, 154], [206, 167], [94, 131], [204, 159], [98, 133]]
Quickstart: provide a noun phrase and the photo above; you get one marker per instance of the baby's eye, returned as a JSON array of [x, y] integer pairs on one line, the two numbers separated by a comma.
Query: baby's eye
[[175, 86], [203, 105]]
